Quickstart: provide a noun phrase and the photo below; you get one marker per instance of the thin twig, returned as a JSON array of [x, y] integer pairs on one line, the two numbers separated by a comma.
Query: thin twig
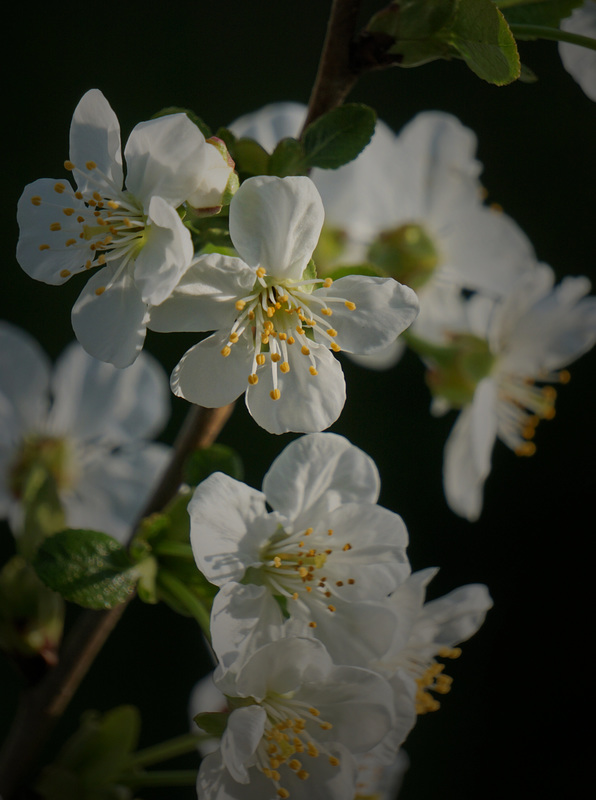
[[336, 75], [42, 705]]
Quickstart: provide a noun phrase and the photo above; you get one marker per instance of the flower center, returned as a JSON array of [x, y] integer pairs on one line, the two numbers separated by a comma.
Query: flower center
[[524, 405], [104, 221], [279, 318], [38, 452], [293, 567], [288, 739], [406, 253]]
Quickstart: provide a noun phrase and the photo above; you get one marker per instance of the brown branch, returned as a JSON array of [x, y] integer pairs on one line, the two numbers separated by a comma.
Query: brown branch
[[41, 706], [336, 75]]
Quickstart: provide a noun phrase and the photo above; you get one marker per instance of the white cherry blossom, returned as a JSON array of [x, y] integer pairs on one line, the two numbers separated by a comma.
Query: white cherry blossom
[[88, 423], [296, 720], [131, 232], [276, 324], [516, 349], [326, 549]]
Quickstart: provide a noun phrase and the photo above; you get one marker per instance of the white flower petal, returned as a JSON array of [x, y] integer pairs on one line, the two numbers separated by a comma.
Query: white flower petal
[[316, 465], [165, 157], [308, 403], [580, 62], [24, 382], [467, 457], [205, 377], [111, 326], [458, 615], [229, 525], [384, 309], [275, 223], [270, 124], [241, 738], [97, 401], [205, 296], [167, 252], [95, 136], [42, 250]]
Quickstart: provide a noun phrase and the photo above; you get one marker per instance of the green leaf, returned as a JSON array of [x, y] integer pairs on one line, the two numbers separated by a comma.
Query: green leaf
[[87, 567], [338, 136], [89, 764], [201, 125], [248, 156], [538, 12], [217, 458], [288, 158], [480, 35]]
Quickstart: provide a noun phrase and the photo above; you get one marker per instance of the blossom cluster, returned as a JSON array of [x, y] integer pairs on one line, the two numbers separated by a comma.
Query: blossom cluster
[[494, 331], [326, 648], [276, 325]]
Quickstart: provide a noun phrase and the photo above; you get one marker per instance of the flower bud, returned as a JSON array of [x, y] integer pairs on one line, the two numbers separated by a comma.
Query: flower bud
[[219, 182]]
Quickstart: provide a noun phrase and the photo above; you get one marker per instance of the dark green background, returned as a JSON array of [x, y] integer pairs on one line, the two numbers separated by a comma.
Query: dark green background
[[511, 725]]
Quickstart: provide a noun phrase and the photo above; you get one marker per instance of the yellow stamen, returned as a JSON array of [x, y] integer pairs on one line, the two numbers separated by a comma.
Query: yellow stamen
[[349, 305], [275, 394], [91, 165], [64, 273], [253, 379], [100, 290], [59, 187], [55, 226], [36, 200], [226, 351], [44, 246]]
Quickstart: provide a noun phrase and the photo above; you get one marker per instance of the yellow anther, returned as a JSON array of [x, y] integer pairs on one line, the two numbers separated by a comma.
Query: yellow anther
[[303, 774], [101, 221], [309, 589], [101, 260], [253, 379], [261, 272], [310, 748], [270, 311], [68, 211], [298, 745], [127, 222], [100, 290], [44, 246], [108, 240], [304, 350], [308, 531], [91, 165], [55, 226], [59, 187], [225, 351], [260, 359], [349, 305], [283, 792], [312, 624], [327, 282], [331, 608], [291, 340], [233, 338], [313, 371], [335, 347], [497, 207], [334, 761], [300, 330], [295, 596], [264, 338], [564, 376], [331, 331], [284, 367], [69, 166], [96, 196], [351, 581], [549, 392], [80, 219], [314, 711], [239, 305], [36, 200], [294, 764], [251, 315], [526, 449], [70, 242], [283, 298], [327, 311], [347, 547], [88, 264], [303, 572], [113, 204], [275, 394], [325, 726], [339, 583], [275, 357], [65, 273], [549, 413]]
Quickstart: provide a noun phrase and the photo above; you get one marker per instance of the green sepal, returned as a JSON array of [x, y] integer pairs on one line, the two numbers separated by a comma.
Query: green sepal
[[537, 12], [216, 458], [248, 156], [212, 722], [90, 763], [339, 136], [201, 125], [43, 511], [282, 602], [89, 568], [288, 158]]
